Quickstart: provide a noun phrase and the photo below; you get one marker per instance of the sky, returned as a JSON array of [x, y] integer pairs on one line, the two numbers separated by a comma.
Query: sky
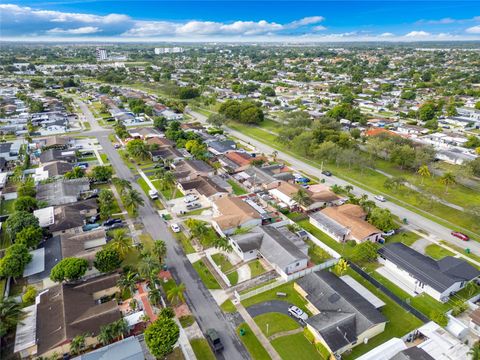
[[234, 21]]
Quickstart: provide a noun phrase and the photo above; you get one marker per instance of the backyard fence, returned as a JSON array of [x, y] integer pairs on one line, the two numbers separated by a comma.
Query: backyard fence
[[241, 297]]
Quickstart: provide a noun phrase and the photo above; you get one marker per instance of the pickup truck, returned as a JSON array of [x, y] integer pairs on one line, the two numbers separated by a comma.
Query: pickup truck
[[214, 340]]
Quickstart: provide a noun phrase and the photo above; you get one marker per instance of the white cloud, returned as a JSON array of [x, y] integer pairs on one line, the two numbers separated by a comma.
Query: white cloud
[[387, 34], [319, 28], [77, 31], [310, 20], [473, 30], [416, 34]]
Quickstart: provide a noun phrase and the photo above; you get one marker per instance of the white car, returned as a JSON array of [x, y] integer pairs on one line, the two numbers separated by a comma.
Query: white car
[[190, 198], [380, 198], [175, 228], [388, 233], [297, 313], [153, 194]]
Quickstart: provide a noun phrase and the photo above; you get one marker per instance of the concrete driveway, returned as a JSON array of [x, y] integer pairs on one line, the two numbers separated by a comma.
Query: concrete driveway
[[178, 206], [279, 306]]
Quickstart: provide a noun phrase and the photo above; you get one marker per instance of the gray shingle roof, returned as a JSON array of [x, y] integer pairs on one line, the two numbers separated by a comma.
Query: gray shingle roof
[[126, 349], [440, 274]]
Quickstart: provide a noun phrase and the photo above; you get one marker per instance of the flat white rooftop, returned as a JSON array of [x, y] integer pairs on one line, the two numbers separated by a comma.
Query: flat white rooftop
[[362, 290]]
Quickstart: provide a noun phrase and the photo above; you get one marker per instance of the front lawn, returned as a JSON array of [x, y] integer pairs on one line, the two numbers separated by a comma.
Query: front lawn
[[185, 242], [206, 276], [276, 322], [202, 349], [296, 347], [256, 268], [226, 267], [405, 237], [253, 345], [6, 206], [228, 307], [437, 252], [316, 253], [237, 189]]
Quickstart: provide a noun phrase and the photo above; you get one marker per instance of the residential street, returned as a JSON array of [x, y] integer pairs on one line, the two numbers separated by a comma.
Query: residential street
[[203, 306], [437, 232]]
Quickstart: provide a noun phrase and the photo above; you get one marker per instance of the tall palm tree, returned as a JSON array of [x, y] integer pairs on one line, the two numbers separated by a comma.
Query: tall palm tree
[[119, 328], [424, 172], [121, 242], [128, 281], [147, 265], [198, 229], [274, 155], [348, 188], [154, 296], [159, 249], [302, 198], [105, 335], [132, 199], [123, 184], [77, 345], [475, 351], [177, 293], [448, 179], [11, 314], [222, 243]]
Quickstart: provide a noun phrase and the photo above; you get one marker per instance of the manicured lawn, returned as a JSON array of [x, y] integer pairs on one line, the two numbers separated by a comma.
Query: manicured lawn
[[237, 189], [276, 322], [316, 253], [233, 277], [292, 297], [169, 193], [146, 240], [194, 212], [228, 306], [206, 276], [254, 347], [186, 244], [104, 158], [462, 250], [6, 207], [437, 252], [226, 266], [296, 347], [405, 237], [202, 349], [256, 268], [143, 184]]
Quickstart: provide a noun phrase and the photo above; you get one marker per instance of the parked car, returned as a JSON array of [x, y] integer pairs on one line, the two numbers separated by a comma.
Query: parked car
[[380, 198], [110, 222], [175, 228], [214, 340], [89, 227], [388, 233], [326, 173], [460, 235], [115, 226], [117, 146], [297, 313], [192, 206], [190, 198], [153, 194]]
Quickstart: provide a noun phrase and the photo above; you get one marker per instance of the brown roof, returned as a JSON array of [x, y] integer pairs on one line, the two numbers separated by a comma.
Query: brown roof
[[475, 316], [159, 141], [325, 195], [234, 212], [239, 158], [78, 245], [351, 216], [72, 215], [67, 310], [204, 186], [57, 168], [288, 188]]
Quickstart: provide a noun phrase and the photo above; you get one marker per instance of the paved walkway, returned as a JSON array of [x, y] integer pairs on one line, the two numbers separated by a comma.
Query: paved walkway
[[244, 273], [142, 295], [257, 332]]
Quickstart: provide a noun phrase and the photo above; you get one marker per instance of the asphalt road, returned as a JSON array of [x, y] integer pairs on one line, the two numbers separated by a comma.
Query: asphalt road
[[436, 231], [199, 299]]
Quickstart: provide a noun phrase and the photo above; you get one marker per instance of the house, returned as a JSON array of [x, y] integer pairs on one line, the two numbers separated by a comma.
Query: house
[[45, 216], [166, 154], [126, 349], [191, 169], [342, 318], [160, 141], [52, 170], [231, 213], [265, 177], [52, 155], [235, 161], [9, 150], [69, 219], [83, 245], [203, 186], [218, 147], [286, 254], [54, 142], [438, 278], [321, 197], [345, 222], [66, 310], [62, 191]]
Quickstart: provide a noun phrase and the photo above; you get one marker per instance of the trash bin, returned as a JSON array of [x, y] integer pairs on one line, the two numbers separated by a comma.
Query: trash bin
[[242, 332]]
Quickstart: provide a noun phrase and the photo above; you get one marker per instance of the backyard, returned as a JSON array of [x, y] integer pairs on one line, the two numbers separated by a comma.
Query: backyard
[[226, 267]]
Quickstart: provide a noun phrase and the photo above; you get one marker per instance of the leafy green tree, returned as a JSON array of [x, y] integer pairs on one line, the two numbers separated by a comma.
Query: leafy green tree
[[25, 203], [102, 173], [268, 91], [154, 296], [167, 312], [107, 260], [137, 149], [474, 352], [30, 236], [159, 250], [27, 188], [19, 220], [217, 120], [77, 345], [148, 266], [427, 111], [11, 314], [341, 267], [120, 242], [14, 262], [382, 219], [69, 269], [132, 199], [160, 122], [365, 252], [448, 179], [302, 198], [29, 296], [76, 173], [161, 336], [106, 201]]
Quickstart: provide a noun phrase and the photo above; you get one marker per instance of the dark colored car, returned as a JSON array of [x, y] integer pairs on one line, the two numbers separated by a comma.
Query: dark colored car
[[214, 340], [110, 222], [192, 206], [460, 235], [326, 173], [115, 226], [94, 218]]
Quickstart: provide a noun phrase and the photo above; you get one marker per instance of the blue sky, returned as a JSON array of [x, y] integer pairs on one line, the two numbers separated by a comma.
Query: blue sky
[[294, 21]]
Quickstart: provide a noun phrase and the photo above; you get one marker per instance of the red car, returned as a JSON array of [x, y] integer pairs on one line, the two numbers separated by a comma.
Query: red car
[[460, 235]]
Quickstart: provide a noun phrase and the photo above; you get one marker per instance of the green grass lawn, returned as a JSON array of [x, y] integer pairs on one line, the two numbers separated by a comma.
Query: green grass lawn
[[143, 184], [296, 347], [254, 347], [462, 250], [228, 307], [202, 349], [187, 320], [237, 189], [226, 266], [316, 253], [6, 206], [437, 252], [194, 212], [186, 244], [292, 297], [276, 322], [256, 268], [405, 237], [206, 276], [104, 158]]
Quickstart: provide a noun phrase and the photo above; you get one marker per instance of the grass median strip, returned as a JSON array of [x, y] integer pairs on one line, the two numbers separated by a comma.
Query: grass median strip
[[253, 345]]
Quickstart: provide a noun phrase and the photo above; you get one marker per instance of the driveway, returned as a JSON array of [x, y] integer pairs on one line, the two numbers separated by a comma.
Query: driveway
[[271, 306]]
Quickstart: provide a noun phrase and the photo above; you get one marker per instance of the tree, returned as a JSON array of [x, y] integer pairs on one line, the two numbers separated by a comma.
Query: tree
[[161, 336], [101, 173], [132, 199], [148, 266], [365, 252], [382, 219], [217, 119], [177, 293], [18, 221], [25, 203], [69, 269], [448, 179], [154, 296], [268, 91], [341, 267], [30, 236], [160, 122], [77, 345], [120, 242], [30, 294], [137, 149], [107, 260], [167, 312], [475, 350], [302, 198], [112, 331], [106, 201], [426, 111], [424, 172], [11, 314], [14, 262], [124, 184], [159, 249], [76, 173], [198, 229], [128, 281]]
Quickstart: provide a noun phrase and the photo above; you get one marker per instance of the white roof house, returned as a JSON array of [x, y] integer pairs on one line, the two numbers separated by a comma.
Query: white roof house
[[385, 351], [45, 216]]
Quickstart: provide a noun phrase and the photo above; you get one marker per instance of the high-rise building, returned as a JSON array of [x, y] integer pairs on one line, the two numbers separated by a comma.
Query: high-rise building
[[172, 50], [101, 54]]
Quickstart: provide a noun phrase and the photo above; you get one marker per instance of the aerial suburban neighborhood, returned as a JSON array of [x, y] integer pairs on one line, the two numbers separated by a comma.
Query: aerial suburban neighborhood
[[238, 190]]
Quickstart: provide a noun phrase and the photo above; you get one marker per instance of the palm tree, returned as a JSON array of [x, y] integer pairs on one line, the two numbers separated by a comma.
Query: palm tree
[[132, 199], [424, 172], [475, 351], [128, 281], [121, 242], [448, 179], [302, 198], [274, 155], [159, 249], [198, 229], [222, 243], [147, 265], [11, 314], [76, 173], [177, 293], [119, 328], [105, 336], [77, 345], [123, 184], [154, 296], [348, 188]]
